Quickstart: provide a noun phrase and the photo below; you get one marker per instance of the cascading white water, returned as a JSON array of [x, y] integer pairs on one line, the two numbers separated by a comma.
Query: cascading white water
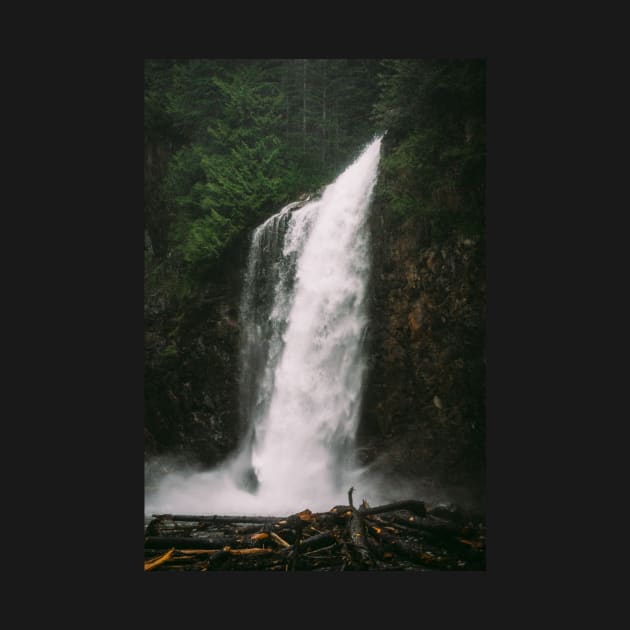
[[303, 319]]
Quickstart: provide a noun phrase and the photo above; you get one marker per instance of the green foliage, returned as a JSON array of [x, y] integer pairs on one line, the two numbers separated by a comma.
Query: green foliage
[[157, 79], [205, 237], [434, 162], [169, 351], [192, 97], [183, 179], [232, 172]]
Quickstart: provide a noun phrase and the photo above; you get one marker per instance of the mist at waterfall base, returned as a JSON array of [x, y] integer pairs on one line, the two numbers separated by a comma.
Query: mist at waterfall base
[[302, 365]]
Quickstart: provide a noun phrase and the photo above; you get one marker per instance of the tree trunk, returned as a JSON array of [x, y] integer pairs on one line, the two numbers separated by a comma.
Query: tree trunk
[[324, 133], [417, 507], [165, 542], [358, 537], [304, 106], [220, 519]]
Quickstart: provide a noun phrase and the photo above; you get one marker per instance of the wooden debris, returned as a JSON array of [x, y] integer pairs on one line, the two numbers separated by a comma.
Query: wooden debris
[[399, 536], [219, 519], [260, 536], [279, 540], [164, 542], [248, 552], [417, 507], [358, 537], [305, 515], [156, 562], [316, 541]]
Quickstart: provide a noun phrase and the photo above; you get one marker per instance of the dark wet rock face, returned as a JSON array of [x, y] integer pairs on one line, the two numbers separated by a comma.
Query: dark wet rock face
[[191, 370], [424, 405]]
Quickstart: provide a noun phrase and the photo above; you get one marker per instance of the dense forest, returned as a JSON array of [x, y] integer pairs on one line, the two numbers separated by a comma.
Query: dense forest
[[227, 143]]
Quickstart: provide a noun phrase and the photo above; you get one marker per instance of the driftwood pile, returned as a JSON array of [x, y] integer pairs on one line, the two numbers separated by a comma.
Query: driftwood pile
[[405, 535]]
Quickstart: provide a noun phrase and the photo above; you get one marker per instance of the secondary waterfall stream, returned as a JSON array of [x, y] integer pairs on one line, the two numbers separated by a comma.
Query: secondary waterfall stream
[[303, 321]]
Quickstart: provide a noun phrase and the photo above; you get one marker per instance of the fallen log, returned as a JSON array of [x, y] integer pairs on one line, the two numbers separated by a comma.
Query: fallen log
[[288, 535], [451, 512], [320, 550], [340, 509], [375, 547], [251, 551], [357, 532], [417, 507], [409, 551], [159, 527], [259, 536], [254, 551], [156, 562], [416, 525], [164, 542], [316, 541], [431, 524], [219, 518], [151, 529], [217, 559], [279, 540], [249, 529], [298, 522], [329, 523]]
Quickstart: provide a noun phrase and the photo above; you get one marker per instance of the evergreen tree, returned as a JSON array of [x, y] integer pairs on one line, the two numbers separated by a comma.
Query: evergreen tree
[[434, 112], [229, 141]]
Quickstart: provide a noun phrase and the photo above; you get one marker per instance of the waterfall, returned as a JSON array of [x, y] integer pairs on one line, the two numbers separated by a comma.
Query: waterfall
[[263, 316], [303, 319]]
